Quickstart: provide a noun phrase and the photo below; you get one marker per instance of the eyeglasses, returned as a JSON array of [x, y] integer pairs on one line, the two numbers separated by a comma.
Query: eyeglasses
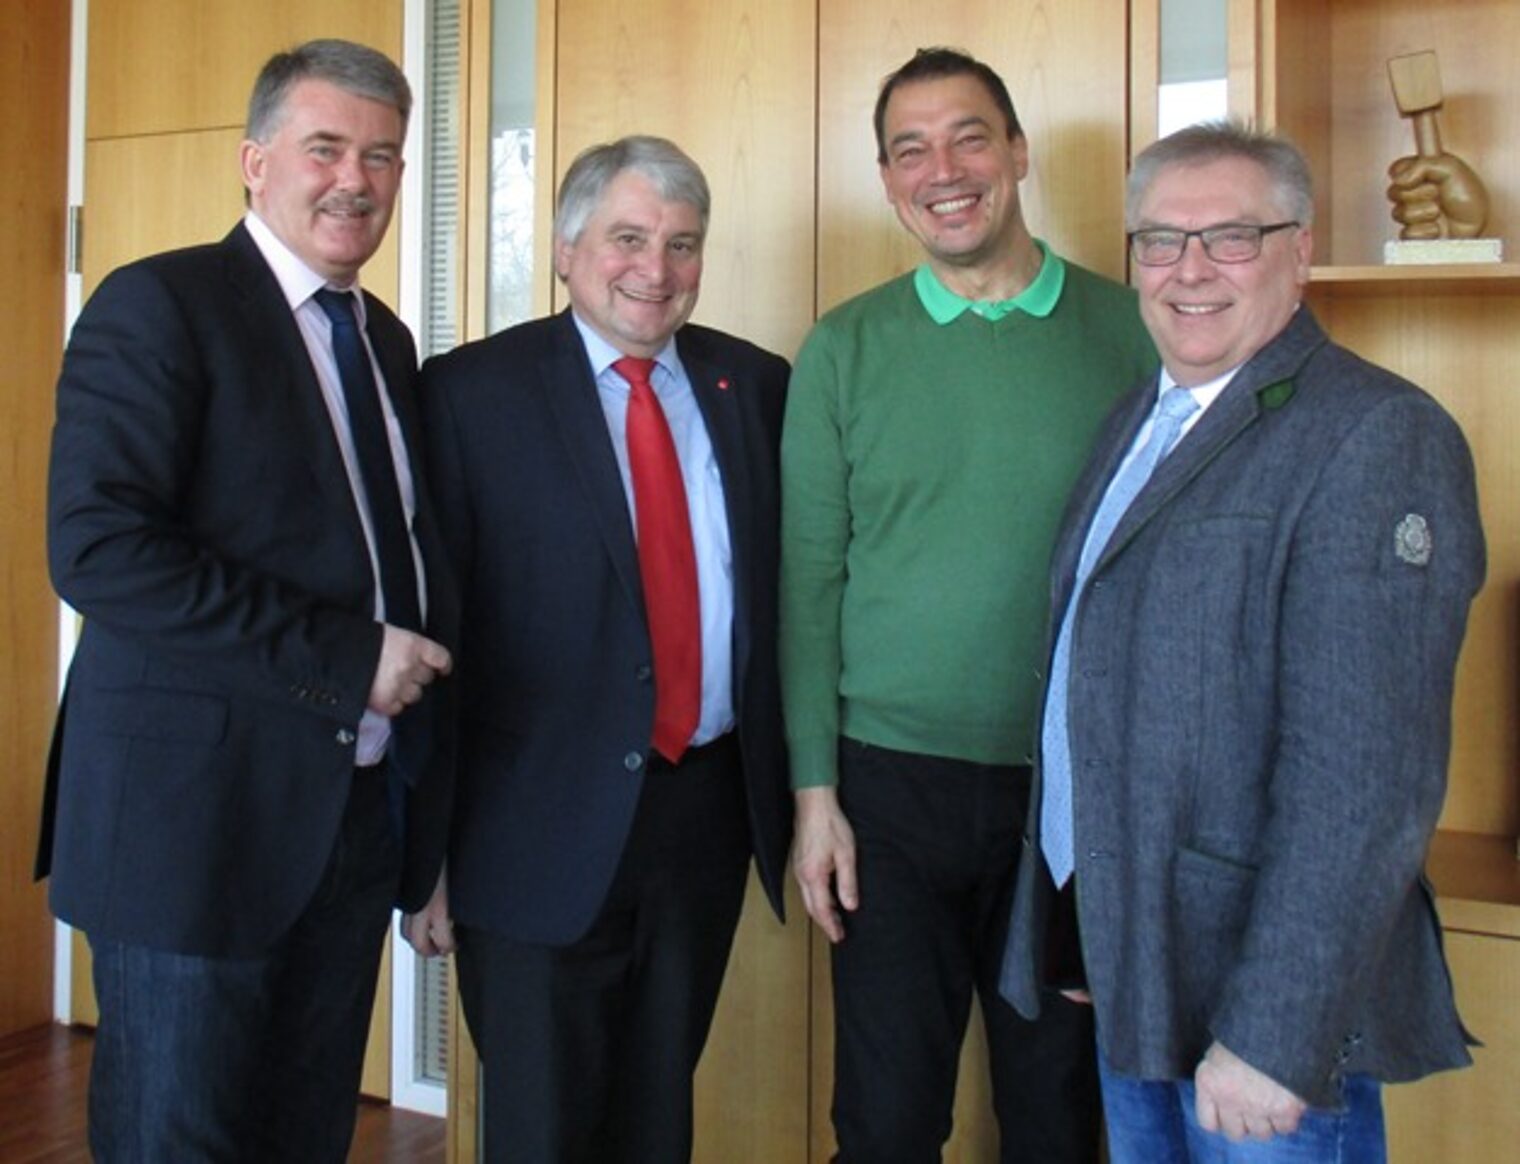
[[1229, 242]]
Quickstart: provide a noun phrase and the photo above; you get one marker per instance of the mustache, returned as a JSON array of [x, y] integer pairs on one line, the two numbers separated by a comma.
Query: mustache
[[347, 204]]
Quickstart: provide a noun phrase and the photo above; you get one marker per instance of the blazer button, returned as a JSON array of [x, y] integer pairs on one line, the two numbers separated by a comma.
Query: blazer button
[[345, 737], [643, 672], [633, 761]]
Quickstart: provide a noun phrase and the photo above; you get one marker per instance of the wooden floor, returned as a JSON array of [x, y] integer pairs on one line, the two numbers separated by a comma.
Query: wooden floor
[[44, 1074]]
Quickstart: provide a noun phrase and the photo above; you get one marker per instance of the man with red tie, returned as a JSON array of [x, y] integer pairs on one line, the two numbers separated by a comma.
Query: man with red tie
[[607, 484]]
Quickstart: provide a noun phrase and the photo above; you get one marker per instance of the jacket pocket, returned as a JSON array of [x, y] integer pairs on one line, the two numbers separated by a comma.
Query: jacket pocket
[[1212, 899], [161, 715]]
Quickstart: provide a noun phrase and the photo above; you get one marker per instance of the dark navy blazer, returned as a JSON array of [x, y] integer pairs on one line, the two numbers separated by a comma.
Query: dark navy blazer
[[201, 520], [555, 677]]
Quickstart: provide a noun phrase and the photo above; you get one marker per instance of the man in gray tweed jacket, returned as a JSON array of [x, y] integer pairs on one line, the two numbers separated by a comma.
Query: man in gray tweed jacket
[[1248, 721]]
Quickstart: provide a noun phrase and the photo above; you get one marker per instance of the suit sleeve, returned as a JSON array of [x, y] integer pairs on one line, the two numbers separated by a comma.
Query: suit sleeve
[[1386, 558], [815, 535], [129, 448], [447, 479]]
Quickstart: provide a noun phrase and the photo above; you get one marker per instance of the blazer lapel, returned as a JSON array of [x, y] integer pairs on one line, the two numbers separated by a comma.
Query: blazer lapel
[[1265, 382], [288, 371], [569, 388], [717, 391]]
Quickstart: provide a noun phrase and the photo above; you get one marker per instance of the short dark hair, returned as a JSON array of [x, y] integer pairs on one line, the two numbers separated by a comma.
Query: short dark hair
[[356, 68], [932, 64]]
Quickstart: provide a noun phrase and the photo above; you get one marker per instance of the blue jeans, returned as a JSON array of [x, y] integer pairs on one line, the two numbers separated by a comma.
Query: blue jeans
[[250, 1058], [1156, 1122]]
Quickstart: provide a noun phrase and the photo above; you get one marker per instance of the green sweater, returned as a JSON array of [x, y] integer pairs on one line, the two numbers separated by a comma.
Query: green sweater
[[924, 470]]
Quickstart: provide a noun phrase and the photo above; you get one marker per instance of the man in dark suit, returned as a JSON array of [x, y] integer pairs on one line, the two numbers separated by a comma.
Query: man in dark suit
[[1248, 718], [240, 787], [620, 739]]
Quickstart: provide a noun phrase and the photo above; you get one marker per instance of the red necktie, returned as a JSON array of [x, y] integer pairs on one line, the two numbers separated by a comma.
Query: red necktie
[[667, 563]]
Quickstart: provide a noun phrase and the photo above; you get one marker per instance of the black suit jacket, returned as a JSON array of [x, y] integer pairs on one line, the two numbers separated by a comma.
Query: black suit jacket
[[555, 681], [201, 520]]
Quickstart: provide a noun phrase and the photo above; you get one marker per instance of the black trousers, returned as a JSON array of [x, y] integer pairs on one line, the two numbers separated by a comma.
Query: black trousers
[[588, 1050], [937, 844]]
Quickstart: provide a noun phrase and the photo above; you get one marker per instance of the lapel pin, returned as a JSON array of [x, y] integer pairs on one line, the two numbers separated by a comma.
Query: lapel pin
[[723, 384]]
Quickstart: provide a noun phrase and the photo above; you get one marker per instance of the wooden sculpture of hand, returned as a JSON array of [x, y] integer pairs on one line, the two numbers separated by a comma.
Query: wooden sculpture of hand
[[1435, 194], [1437, 197]]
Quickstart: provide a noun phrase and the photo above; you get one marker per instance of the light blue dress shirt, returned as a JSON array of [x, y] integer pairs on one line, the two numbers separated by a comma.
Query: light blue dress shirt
[[705, 505]]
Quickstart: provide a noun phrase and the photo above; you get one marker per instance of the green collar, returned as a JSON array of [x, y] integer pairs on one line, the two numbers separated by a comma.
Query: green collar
[[1038, 299]]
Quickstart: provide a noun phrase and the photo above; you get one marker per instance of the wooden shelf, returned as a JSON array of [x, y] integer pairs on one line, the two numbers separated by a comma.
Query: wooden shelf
[[1410, 279], [1477, 879]]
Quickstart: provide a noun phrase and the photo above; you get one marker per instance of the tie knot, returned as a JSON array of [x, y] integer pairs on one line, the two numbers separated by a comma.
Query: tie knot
[[1177, 403], [338, 306], [634, 369]]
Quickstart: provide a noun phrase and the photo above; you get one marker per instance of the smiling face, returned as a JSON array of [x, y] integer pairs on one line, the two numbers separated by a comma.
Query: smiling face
[[952, 173], [325, 182], [634, 271], [1209, 317]]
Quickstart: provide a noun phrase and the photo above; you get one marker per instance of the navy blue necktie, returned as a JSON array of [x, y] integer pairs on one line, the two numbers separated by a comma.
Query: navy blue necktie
[[1056, 839], [377, 467]]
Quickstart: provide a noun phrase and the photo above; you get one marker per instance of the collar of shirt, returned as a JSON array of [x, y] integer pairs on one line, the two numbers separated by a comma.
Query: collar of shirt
[[1039, 299], [602, 356], [297, 281]]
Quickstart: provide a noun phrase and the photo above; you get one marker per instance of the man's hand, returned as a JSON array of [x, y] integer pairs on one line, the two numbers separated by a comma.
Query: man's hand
[[823, 859], [431, 931], [1238, 1100], [408, 663]]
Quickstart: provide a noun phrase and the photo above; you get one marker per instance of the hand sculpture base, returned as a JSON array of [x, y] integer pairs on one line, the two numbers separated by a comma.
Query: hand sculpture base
[[1412, 252]]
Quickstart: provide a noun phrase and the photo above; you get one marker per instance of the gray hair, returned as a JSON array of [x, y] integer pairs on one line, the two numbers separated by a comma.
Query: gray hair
[[355, 68], [672, 173], [1212, 141]]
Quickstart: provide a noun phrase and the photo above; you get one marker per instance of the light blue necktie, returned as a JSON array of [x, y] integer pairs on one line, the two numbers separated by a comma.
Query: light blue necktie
[[1176, 405]]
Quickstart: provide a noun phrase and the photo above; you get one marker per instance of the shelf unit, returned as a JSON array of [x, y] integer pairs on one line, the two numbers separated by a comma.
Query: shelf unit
[[1477, 880], [1321, 78], [1445, 279]]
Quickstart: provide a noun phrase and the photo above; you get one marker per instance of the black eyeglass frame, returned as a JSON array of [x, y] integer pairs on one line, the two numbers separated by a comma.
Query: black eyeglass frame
[[1206, 238]]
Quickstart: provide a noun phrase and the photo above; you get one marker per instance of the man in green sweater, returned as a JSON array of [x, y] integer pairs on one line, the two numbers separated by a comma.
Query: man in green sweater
[[933, 429]]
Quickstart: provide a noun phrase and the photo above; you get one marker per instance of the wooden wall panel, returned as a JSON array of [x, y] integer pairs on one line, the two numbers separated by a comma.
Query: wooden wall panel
[[149, 194], [34, 156], [752, 1094], [733, 85], [1066, 66], [1468, 1115], [163, 66]]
